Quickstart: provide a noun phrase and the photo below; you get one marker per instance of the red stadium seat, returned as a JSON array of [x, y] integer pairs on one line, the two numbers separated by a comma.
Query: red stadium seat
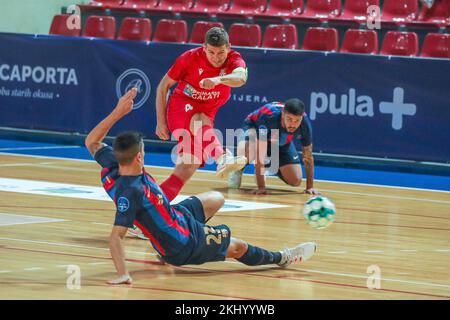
[[282, 36], [59, 26], [175, 5], [360, 41], [200, 28], [138, 29], [400, 44], [438, 14], [320, 9], [357, 9], [436, 45], [321, 39], [248, 35], [171, 31], [210, 7], [400, 10], [100, 27], [284, 8], [247, 7], [106, 3], [140, 4]]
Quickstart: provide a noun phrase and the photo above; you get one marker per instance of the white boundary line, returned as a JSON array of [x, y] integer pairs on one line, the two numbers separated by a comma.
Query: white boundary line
[[208, 171], [276, 187]]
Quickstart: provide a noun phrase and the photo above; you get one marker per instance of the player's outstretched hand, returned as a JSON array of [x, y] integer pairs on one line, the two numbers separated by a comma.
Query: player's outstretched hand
[[125, 104], [162, 131], [259, 192], [312, 191], [209, 83], [125, 279]]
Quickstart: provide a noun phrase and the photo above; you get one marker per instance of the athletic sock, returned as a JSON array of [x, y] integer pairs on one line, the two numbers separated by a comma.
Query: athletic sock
[[172, 186], [256, 256]]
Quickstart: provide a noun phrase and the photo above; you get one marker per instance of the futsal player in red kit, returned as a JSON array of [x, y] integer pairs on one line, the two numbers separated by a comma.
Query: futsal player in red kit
[[204, 78]]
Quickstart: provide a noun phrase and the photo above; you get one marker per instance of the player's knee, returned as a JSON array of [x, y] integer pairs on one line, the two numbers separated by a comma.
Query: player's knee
[[241, 249], [212, 203], [237, 248], [295, 182]]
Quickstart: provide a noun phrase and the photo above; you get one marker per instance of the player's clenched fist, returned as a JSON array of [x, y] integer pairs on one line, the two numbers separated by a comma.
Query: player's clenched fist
[[209, 83]]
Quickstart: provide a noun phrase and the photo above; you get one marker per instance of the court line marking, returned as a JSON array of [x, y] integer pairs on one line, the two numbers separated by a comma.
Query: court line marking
[[62, 244], [209, 171], [429, 284], [33, 269], [251, 274], [278, 187]]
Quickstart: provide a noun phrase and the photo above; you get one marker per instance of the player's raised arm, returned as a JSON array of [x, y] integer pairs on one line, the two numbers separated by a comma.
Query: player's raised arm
[[94, 140], [162, 130]]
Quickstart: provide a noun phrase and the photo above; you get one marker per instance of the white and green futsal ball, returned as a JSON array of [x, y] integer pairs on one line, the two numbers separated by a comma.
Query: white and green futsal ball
[[319, 212]]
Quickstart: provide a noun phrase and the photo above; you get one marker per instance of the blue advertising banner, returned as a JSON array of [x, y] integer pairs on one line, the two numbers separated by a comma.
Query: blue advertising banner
[[378, 106]]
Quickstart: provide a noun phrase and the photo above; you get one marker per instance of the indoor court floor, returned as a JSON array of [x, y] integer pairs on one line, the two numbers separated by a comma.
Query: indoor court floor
[[55, 218]]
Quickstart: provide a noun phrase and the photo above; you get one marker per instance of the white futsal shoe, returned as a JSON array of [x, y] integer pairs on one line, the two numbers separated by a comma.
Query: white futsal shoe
[[228, 163], [300, 253], [235, 179], [135, 232]]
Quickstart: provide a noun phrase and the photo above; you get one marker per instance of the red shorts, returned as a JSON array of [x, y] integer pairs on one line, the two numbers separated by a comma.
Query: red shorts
[[179, 114]]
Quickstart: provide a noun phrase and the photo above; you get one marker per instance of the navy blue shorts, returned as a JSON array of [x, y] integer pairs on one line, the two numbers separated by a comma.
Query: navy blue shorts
[[288, 155], [206, 243]]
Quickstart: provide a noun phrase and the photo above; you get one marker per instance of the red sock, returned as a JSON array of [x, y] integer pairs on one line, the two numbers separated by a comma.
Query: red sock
[[172, 186], [211, 145]]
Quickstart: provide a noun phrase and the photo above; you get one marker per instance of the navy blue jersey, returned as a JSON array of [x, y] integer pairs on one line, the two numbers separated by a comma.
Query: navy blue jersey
[[268, 118], [140, 201]]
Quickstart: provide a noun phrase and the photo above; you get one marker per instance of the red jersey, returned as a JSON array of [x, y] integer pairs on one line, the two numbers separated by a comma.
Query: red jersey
[[193, 66]]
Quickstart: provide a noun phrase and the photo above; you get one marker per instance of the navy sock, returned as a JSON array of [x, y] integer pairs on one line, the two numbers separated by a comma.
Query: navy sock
[[256, 257]]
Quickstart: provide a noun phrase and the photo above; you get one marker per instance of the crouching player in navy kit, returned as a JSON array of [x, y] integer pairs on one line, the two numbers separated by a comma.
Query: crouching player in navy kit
[[177, 232], [276, 125]]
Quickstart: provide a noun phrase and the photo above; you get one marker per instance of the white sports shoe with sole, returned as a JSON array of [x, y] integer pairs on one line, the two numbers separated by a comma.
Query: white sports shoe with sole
[[227, 163], [300, 253]]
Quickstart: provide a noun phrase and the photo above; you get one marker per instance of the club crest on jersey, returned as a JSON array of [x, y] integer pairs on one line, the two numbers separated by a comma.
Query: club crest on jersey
[[200, 71], [188, 107]]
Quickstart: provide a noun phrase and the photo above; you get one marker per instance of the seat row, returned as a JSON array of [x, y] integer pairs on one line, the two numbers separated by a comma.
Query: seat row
[[275, 36], [394, 11]]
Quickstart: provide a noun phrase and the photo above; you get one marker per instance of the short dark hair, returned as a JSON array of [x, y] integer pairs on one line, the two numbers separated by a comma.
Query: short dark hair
[[127, 145], [217, 37], [294, 106]]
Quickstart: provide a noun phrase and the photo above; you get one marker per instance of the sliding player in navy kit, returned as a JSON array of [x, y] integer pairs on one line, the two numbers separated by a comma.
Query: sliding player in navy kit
[[275, 125], [177, 232]]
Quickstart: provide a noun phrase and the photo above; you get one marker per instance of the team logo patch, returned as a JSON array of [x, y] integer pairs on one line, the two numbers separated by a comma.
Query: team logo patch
[[200, 71], [188, 107], [123, 204]]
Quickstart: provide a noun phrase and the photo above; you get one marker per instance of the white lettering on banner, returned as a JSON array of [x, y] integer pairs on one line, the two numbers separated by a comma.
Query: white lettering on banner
[[38, 74], [361, 106], [249, 98]]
